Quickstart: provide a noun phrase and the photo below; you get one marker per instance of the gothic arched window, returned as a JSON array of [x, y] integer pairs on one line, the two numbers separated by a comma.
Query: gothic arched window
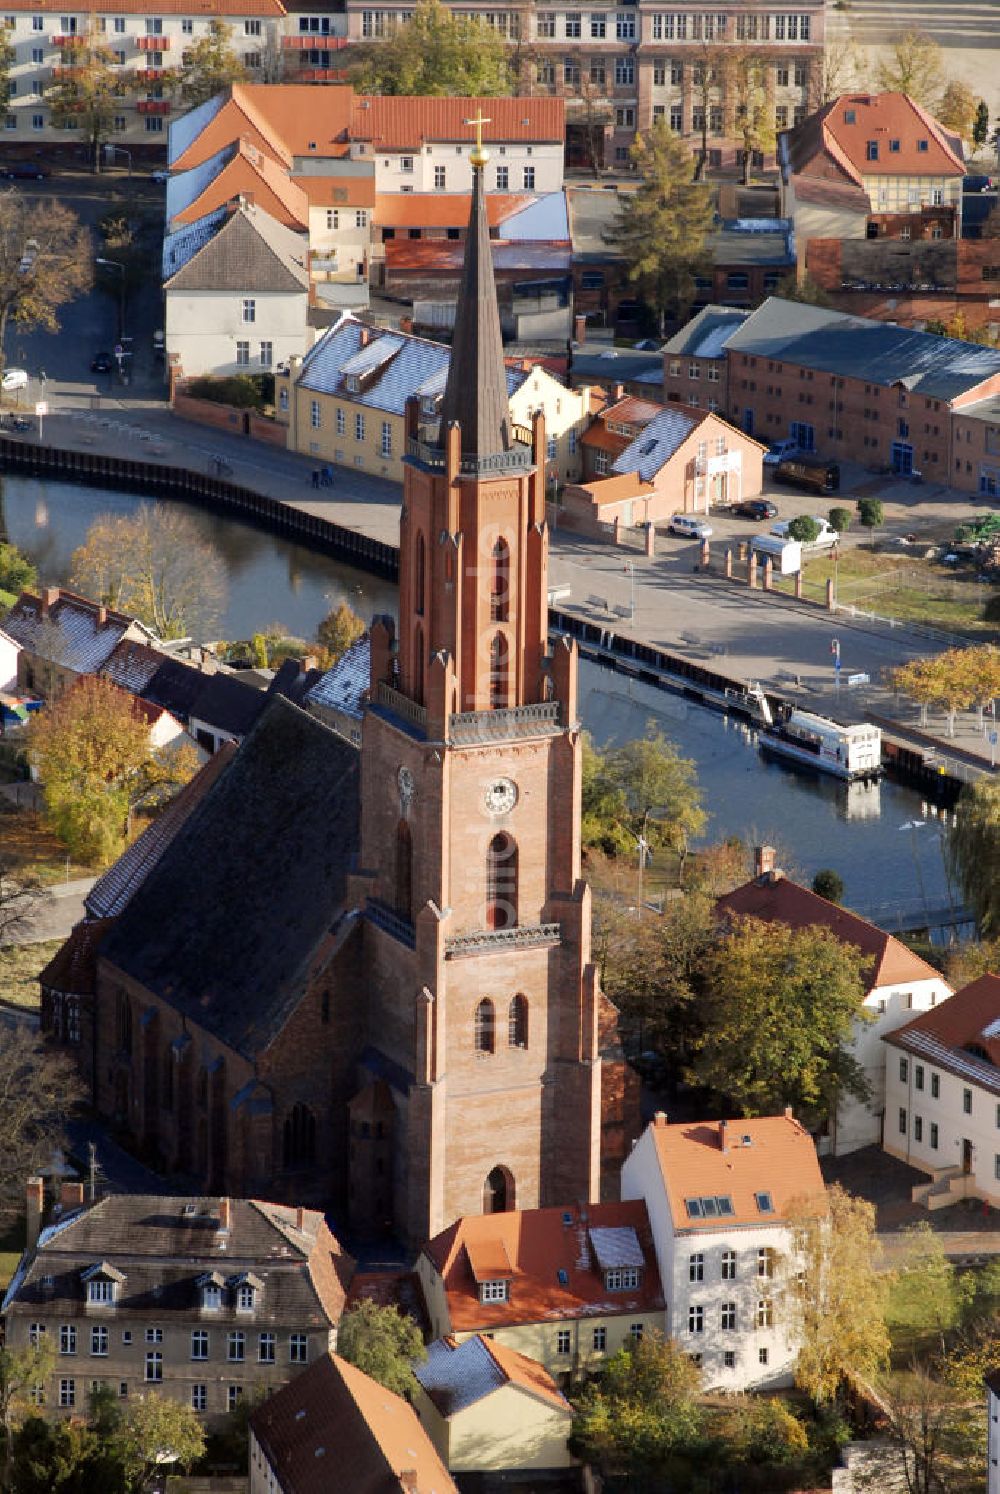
[[299, 1140], [498, 1192], [419, 575], [517, 1022], [499, 672], [500, 582], [124, 1020], [418, 664], [404, 871], [501, 882], [485, 1031]]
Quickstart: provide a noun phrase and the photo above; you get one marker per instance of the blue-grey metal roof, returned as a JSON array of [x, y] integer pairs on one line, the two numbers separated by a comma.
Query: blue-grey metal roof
[[457, 1377], [855, 346], [707, 334], [546, 218], [343, 686], [412, 363], [655, 444], [607, 365]]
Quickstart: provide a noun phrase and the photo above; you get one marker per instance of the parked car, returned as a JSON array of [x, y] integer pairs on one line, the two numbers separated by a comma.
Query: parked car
[[13, 378], [806, 471], [689, 526], [827, 537], [26, 171], [778, 450], [101, 363], [756, 508]]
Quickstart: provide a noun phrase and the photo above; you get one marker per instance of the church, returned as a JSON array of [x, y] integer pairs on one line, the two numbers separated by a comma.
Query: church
[[365, 980]]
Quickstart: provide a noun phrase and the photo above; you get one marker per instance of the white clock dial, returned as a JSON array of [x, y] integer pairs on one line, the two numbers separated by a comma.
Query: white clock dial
[[500, 796]]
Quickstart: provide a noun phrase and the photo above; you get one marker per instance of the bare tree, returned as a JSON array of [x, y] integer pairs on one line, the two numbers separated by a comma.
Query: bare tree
[[39, 1088], [838, 72], [18, 895], [45, 260], [934, 1432]]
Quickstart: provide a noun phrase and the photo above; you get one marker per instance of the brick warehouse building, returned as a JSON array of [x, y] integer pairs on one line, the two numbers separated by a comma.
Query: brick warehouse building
[[372, 985]]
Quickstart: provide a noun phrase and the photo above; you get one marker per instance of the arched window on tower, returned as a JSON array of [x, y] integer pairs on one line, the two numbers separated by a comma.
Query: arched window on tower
[[418, 664], [517, 1022], [124, 1016], [500, 582], [299, 1139], [499, 672], [501, 882], [485, 1031], [168, 1078], [419, 580], [498, 1192], [404, 871]]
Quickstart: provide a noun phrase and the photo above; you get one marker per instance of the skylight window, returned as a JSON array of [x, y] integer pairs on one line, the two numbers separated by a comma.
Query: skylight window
[[765, 1203], [709, 1206], [563, 1277], [894, 147], [922, 145], [850, 116]]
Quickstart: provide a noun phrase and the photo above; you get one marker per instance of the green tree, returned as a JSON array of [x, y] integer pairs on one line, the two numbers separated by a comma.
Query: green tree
[[967, 961], [21, 1372], [758, 1433], [436, 52], [913, 67], [210, 65], [642, 791], [871, 515], [779, 1006], [840, 519], [931, 1293], [8, 57], [662, 227], [973, 850], [17, 573], [837, 1294], [88, 89], [155, 1431], [934, 1432], [804, 528], [339, 629], [54, 1458], [981, 125], [749, 72], [95, 762], [642, 1417], [795, 287], [382, 1342], [46, 260], [829, 884], [957, 110]]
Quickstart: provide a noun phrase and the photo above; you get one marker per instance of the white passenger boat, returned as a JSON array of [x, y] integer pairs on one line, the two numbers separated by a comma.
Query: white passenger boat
[[850, 752]]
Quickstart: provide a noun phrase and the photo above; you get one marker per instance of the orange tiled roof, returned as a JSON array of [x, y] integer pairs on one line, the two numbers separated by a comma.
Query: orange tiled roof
[[541, 1246], [879, 117], [338, 191], [616, 489], [778, 900], [140, 7], [971, 1016], [773, 1154], [251, 173], [443, 209], [406, 123], [633, 411], [528, 1373], [283, 119]]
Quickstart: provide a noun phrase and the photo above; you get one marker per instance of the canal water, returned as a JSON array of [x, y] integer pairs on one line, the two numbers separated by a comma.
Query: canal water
[[885, 843]]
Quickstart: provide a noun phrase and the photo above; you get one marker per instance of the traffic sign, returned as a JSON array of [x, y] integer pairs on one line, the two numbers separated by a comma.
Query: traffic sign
[[42, 407], [993, 738], [119, 350]]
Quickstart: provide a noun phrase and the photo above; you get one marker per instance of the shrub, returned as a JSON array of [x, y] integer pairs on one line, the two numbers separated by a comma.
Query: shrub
[[243, 391], [829, 884], [840, 519], [804, 528]]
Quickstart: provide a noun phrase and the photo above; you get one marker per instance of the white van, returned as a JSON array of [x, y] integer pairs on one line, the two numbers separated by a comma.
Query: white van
[[690, 526]]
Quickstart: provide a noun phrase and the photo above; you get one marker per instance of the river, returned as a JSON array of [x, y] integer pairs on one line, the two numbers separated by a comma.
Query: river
[[884, 842]]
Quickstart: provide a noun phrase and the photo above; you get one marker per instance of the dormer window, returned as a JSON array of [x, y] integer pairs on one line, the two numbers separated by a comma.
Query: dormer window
[[101, 1283], [622, 1279], [353, 383], [244, 1299], [211, 1298], [245, 1288], [100, 1292], [494, 1291]]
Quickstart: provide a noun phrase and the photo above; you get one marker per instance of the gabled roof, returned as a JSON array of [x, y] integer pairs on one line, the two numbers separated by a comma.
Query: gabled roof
[[910, 142], [227, 923], [249, 252], [335, 1429], [72, 970], [407, 123], [458, 1375], [283, 119], [775, 899], [706, 335], [410, 362], [68, 630], [649, 453], [962, 1034], [345, 684], [185, 241], [550, 1263], [246, 172], [442, 209], [132, 665], [737, 1160]]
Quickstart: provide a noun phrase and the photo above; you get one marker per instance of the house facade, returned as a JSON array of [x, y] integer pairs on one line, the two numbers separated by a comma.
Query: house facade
[[695, 369], [61, 637], [942, 1096], [721, 1197], [200, 1299]]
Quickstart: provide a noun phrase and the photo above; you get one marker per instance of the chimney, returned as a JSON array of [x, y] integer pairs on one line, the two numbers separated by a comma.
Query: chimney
[[660, 1118], [763, 860], [225, 1215], [365, 336], [50, 596], [102, 616], [71, 1195], [35, 1205], [300, 1218], [723, 1138], [579, 329], [789, 1113], [617, 392]]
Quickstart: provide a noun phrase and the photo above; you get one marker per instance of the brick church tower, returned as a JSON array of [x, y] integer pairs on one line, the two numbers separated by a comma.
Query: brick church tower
[[483, 1010]]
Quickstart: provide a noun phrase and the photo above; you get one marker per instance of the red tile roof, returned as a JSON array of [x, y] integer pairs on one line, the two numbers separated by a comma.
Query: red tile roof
[[772, 1154], [446, 256], [776, 899], [406, 123], [615, 489], [334, 1430], [970, 1018], [254, 174], [878, 117], [539, 1245], [443, 209]]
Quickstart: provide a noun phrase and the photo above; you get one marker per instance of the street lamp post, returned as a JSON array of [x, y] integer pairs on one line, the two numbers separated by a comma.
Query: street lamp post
[[119, 150], [630, 568], [116, 264]]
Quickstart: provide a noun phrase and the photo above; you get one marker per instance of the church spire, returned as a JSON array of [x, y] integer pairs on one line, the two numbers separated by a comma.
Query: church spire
[[476, 392]]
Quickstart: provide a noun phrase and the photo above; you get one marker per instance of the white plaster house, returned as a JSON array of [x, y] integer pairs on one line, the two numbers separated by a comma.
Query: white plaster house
[[942, 1096], [898, 983], [240, 302], [719, 1197]]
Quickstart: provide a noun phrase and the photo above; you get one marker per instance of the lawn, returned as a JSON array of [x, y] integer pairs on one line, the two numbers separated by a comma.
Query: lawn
[[19, 968], [925, 592], [33, 850], [11, 1246], [921, 1311]]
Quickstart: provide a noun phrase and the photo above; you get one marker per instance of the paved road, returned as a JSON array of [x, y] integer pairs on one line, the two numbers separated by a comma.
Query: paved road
[[56, 912]]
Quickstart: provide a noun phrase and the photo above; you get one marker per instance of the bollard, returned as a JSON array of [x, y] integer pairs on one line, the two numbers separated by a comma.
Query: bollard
[[741, 554], [752, 570], [705, 554], [729, 563], [617, 533], [768, 571], [829, 594], [798, 586], [650, 541]]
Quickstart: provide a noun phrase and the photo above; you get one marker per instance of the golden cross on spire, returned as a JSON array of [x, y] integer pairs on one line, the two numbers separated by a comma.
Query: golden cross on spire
[[478, 156]]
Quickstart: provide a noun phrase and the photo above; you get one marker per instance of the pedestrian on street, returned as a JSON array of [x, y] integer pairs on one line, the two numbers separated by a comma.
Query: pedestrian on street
[[41, 377]]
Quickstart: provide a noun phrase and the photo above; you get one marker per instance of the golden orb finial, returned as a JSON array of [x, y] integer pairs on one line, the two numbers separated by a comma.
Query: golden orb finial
[[478, 155]]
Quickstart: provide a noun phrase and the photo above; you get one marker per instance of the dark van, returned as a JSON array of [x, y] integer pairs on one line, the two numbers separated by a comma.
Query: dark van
[[808, 472]]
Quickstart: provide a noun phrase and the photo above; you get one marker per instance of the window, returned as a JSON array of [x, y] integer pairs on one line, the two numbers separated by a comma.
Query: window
[[729, 1359], [315, 418], [67, 1338], [676, 118], [728, 1319], [624, 71], [359, 427], [598, 25], [494, 1291], [99, 1340], [484, 1029], [386, 441], [266, 1344], [187, 26], [696, 1320], [936, 1088], [871, 150], [503, 178], [762, 1356], [500, 582], [249, 309], [765, 1313], [781, 81], [546, 24], [67, 1392], [729, 1265], [37, 54], [781, 117], [199, 1397], [529, 178], [635, 1332], [918, 1128], [267, 354], [37, 23], [501, 857], [100, 1290], [126, 1336], [251, 60], [918, 1076], [996, 1165], [361, 218], [440, 178], [332, 218], [517, 1022], [573, 24], [765, 1204], [234, 1394], [904, 1070], [921, 146], [251, 28], [298, 1348], [765, 1262], [625, 26], [621, 1278], [36, 1334], [902, 1120], [934, 1136], [600, 1340], [563, 1341], [341, 422], [38, 121], [242, 355], [236, 1346], [966, 1101], [154, 1367], [199, 1343], [600, 463], [696, 1267]]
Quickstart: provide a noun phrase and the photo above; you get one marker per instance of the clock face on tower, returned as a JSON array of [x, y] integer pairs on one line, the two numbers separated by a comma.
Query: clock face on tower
[[500, 796]]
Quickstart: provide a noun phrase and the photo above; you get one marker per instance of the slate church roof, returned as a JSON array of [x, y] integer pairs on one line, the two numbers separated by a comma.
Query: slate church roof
[[225, 924]]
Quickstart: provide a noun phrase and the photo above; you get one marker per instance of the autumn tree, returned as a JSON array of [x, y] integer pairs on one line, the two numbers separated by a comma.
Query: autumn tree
[[95, 762], [973, 851], [748, 75], [17, 573], [779, 1006], [708, 77], [339, 629], [38, 1090], [662, 226], [210, 65], [153, 1431], [641, 795], [19, 893], [956, 679], [837, 1294], [913, 67], [54, 1458], [382, 1342], [21, 1370], [45, 261], [436, 52], [88, 88], [154, 565], [8, 57], [957, 109], [642, 1418]]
